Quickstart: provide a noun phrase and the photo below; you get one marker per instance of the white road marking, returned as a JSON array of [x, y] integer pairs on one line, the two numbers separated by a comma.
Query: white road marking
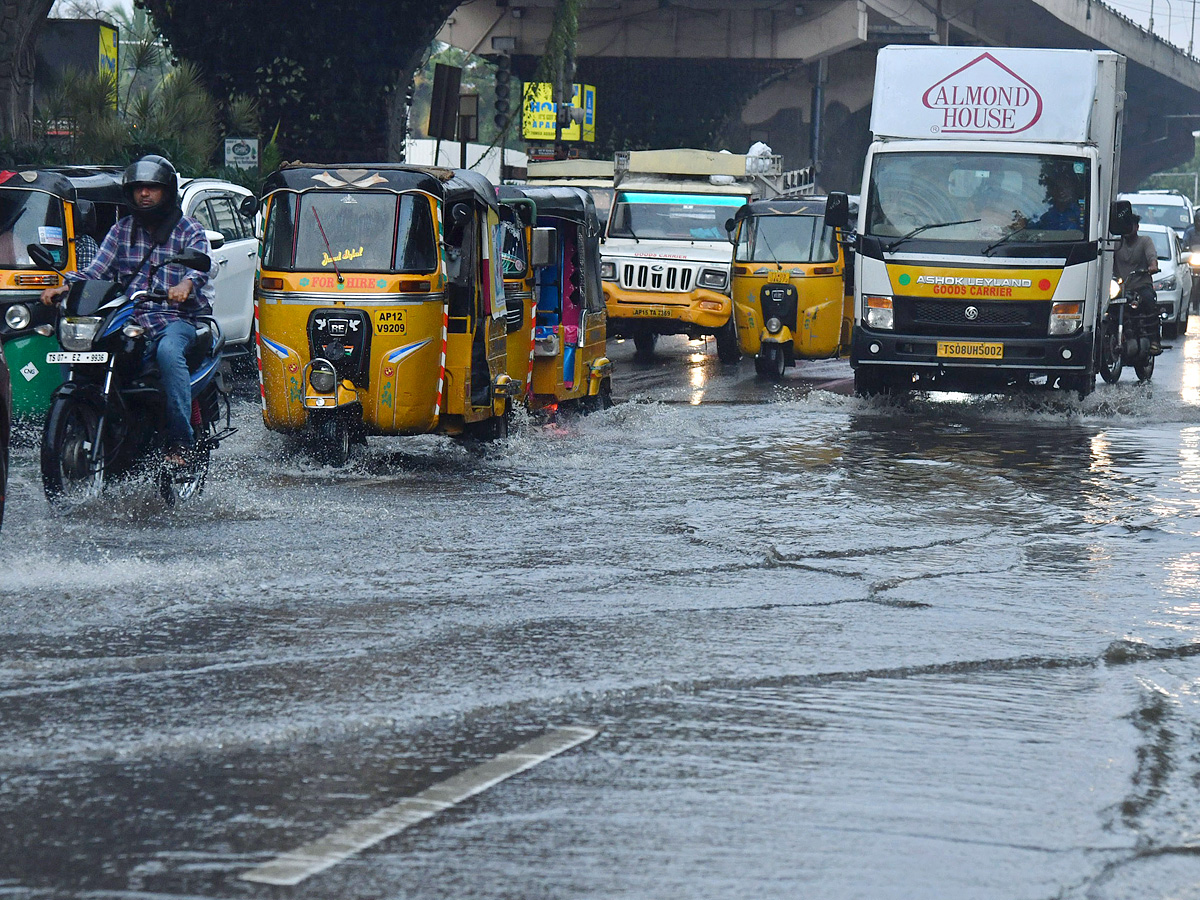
[[303, 862]]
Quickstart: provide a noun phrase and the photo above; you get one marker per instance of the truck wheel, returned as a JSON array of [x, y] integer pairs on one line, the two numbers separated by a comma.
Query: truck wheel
[[644, 341], [1111, 362], [872, 382], [728, 350]]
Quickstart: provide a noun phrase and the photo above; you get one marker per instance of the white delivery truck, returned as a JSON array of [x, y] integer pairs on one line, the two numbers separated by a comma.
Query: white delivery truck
[[984, 258], [665, 257]]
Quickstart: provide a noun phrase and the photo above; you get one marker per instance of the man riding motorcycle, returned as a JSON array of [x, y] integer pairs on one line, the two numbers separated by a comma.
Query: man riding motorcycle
[[156, 231], [1134, 262]]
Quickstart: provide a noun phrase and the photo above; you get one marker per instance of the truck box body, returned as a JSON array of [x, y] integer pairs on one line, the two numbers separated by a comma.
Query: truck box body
[[986, 197]]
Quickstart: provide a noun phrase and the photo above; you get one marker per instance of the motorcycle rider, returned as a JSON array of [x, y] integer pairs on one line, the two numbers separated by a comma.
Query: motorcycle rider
[[1191, 240], [155, 231], [1134, 262]]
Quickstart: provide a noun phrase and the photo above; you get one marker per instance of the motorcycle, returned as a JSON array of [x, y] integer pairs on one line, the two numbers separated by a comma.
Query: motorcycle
[[1130, 334], [106, 419]]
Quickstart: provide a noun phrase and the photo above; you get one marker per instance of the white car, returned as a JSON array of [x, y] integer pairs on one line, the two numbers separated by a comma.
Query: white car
[[1173, 281], [1169, 208], [216, 205]]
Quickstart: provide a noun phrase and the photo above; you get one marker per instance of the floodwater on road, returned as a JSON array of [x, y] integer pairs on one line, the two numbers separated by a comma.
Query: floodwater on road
[[941, 647]]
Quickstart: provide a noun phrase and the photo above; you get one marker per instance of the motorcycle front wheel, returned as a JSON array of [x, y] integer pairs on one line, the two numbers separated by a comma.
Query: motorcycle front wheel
[[1111, 362], [68, 442], [1144, 369]]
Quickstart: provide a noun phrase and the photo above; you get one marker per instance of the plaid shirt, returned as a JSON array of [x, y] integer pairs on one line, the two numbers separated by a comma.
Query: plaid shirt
[[123, 248]]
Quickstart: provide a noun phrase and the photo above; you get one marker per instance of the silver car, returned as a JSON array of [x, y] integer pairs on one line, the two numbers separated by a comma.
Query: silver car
[[1173, 281]]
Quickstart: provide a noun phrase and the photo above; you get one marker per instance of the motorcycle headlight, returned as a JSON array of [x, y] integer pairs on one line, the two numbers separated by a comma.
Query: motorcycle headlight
[[878, 312], [1114, 289], [1194, 259], [18, 316], [608, 271], [714, 279], [322, 376], [76, 333]]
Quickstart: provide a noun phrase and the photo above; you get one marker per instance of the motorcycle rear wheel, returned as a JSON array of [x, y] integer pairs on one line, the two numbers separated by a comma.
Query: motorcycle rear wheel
[[71, 432], [184, 484]]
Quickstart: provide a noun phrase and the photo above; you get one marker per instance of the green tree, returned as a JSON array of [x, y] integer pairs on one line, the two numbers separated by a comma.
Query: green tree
[[20, 22]]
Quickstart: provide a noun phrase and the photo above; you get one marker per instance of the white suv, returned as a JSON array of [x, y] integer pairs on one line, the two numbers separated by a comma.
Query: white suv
[[216, 205], [1169, 208]]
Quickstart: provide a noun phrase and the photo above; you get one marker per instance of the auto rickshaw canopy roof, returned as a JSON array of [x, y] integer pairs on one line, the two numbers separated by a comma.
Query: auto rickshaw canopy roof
[[448, 184], [559, 201], [44, 180]]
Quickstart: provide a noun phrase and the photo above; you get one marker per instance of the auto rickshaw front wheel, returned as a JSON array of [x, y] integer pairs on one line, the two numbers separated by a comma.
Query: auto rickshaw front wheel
[[770, 362], [331, 441]]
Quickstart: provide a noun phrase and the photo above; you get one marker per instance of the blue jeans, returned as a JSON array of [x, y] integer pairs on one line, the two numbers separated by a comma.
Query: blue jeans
[[174, 342]]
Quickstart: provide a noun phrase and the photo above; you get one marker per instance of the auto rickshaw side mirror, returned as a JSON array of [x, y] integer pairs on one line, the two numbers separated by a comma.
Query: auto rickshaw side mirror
[[1120, 217], [216, 239], [249, 206], [543, 250], [460, 213], [85, 217], [42, 257], [837, 210]]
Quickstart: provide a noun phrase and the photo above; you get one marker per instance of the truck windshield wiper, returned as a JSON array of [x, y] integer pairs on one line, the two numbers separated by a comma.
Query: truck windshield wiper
[[987, 251], [900, 240]]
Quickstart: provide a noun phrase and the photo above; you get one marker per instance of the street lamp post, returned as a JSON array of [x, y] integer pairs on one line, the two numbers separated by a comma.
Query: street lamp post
[[1192, 36]]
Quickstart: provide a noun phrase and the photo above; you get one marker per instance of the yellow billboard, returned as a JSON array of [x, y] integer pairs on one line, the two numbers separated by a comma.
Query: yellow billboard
[[109, 56], [538, 113]]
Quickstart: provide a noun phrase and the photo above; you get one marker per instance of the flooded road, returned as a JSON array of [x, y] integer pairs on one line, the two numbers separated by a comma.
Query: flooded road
[[944, 647]]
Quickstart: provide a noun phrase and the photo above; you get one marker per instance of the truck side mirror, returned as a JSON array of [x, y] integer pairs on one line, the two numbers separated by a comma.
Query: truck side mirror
[[1120, 217], [543, 250], [837, 210]]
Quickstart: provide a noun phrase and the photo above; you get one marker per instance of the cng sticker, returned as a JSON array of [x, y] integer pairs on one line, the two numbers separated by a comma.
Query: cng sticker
[[30, 371]]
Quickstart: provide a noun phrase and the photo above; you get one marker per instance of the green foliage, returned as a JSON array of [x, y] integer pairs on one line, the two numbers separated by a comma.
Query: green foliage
[[1183, 177]]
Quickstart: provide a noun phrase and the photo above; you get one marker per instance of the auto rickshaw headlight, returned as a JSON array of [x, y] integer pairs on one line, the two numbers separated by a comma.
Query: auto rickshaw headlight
[[322, 376], [714, 279], [18, 316], [608, 271], [774, 326]]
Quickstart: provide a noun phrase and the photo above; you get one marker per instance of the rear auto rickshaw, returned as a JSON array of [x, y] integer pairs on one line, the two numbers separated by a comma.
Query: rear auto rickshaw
[[380, 305], [568, 363], [791, 298], [57, 209]]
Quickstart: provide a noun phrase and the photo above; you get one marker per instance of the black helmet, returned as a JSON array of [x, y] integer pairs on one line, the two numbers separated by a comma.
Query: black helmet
[[152, 170]]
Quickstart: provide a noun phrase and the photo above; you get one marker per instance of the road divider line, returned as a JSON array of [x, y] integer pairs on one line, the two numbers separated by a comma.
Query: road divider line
[[293, 867]]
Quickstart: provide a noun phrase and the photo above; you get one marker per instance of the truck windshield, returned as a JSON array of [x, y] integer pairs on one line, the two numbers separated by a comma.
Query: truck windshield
[[1018, 197], [30, 217], [789, 239], [671, 217], [356, 232]]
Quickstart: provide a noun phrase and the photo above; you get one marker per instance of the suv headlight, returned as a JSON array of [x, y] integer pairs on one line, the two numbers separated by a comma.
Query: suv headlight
[[714, 279], [1167, 284], [608, 271], [878, 312], [18, 316], [76, 333], [1065, 318]]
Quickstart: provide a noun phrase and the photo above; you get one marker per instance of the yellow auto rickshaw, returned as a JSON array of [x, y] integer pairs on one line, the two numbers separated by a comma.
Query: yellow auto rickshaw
[[568, 366], [380, 306], [790, 295]]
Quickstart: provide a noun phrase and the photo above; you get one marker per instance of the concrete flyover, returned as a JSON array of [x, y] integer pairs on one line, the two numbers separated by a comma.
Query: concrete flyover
[[804, 56]]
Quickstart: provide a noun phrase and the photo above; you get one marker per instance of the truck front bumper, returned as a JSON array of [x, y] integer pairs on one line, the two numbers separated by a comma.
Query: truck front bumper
[[1073, 353]]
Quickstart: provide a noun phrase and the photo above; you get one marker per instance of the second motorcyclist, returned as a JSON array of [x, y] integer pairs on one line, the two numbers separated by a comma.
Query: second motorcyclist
[[1134, 262], [156, 231]]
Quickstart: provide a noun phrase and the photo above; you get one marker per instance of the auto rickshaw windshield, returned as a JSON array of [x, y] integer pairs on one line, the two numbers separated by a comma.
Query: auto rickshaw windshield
[[30, 217], [793, 239], [354, 232]]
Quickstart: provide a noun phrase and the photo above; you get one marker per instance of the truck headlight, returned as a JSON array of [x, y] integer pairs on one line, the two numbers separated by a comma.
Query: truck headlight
[[18, 316], [76, 333], [322, 376], [878, 312], [608, 271], [1065, 318], [714, 279]]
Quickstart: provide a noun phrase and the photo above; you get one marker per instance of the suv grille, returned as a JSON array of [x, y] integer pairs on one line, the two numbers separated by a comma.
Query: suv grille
[[645, 276]]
